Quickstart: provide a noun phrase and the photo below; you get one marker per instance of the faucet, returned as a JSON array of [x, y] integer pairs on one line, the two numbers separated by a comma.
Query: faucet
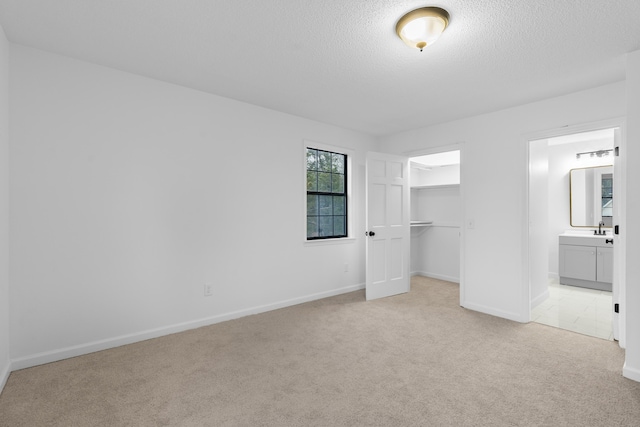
[[600, 231]]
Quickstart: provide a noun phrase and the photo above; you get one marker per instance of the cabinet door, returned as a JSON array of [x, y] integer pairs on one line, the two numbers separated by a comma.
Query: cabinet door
[[578, 262], [604, 269]]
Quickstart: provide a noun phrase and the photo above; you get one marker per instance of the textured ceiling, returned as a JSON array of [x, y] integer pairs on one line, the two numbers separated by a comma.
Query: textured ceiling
[[339, 61]]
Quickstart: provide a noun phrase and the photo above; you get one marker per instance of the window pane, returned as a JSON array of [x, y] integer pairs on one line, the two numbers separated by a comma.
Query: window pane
[[324, 182], [338, 205], [607, 194], [326, 226], [339, 228], [312, 181], [312, 205], [312, 159], [312, 226], [607, 207], [337, 163], [337, 185], [324, 161], [607, 187], [326, 205]]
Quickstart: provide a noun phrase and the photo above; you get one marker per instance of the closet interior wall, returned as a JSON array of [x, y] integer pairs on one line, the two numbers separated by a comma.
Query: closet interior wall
[[435, 198]]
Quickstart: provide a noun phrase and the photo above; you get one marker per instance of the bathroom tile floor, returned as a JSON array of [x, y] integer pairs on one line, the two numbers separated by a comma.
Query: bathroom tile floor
[[582, 310]]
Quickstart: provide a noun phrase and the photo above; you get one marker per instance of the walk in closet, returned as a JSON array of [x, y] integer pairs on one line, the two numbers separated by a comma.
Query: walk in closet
[[436, 216]]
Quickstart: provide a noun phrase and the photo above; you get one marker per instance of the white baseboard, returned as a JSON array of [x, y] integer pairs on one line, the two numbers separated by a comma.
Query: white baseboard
[[631, 373], [4, 376], [540, 299], [436, 276], [79, 350], [494, 312]]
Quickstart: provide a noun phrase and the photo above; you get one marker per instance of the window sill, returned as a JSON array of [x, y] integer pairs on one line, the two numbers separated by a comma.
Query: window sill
[[323, 242]]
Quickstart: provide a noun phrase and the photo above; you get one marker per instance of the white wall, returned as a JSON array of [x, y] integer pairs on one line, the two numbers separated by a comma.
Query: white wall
[[632, 308], [444, 175], [129, 194], [494, 170], [5, 365], [435, 250]]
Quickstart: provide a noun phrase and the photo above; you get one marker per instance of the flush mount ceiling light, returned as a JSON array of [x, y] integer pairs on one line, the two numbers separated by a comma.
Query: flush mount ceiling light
[[422, 27]]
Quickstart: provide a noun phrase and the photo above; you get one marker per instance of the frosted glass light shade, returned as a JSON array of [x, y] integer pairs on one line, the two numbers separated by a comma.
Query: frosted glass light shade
[[422, 27]]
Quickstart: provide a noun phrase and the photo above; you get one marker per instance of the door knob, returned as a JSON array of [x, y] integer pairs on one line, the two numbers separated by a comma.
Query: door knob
[[370, 233]]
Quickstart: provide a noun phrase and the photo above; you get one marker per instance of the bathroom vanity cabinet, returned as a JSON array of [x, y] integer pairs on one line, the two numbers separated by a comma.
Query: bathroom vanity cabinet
[[586, 261]]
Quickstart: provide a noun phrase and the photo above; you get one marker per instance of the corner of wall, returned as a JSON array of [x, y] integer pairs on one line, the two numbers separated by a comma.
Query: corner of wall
[[631, 373], [632, 269], [5, 361], [4, 375]]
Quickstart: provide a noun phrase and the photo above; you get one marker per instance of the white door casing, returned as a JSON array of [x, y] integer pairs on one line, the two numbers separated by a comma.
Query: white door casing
[[538, 229], [387, 222], [619, 200], [619, 218]]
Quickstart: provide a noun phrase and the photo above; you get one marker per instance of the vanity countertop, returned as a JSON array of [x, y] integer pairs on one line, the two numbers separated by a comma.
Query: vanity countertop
[[585, 239]]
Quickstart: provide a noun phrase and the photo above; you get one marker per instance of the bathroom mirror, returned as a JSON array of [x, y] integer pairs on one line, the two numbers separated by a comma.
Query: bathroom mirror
[[591, 196]]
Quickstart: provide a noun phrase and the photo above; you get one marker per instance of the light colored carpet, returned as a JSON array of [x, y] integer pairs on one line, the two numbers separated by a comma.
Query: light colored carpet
[[411, 360]]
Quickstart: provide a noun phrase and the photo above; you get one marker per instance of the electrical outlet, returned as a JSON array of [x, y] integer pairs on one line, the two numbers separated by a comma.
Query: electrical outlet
[[208, 290]]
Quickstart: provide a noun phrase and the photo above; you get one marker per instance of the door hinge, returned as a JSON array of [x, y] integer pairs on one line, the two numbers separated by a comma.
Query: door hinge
[[616, 308], [616, 229], [617, 151]]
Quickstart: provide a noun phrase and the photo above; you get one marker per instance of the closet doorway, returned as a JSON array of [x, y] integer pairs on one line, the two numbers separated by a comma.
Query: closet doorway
[[436, 215]]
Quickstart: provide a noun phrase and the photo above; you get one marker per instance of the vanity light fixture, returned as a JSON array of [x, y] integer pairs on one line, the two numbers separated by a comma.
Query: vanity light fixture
[[598, 153], [422, 27]]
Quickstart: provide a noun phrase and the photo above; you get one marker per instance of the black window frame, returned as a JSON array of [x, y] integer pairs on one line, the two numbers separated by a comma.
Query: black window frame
[[344, 194]]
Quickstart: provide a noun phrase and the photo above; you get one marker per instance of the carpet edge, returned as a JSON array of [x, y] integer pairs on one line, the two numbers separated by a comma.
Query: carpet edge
[[91, 347]]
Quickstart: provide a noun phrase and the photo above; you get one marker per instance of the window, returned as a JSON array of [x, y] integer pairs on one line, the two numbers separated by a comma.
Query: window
[[607, 195], [326, 194]]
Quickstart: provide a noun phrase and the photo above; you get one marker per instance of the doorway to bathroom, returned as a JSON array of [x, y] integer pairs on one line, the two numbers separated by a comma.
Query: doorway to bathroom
[[575, 200]]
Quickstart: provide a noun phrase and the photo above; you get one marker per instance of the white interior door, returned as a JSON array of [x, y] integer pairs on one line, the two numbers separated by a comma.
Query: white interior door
[[619, 201], [388, 225]]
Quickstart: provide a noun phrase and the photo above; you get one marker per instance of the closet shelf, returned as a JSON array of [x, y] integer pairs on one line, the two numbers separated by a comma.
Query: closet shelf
[[421, 223], [423, 187]]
